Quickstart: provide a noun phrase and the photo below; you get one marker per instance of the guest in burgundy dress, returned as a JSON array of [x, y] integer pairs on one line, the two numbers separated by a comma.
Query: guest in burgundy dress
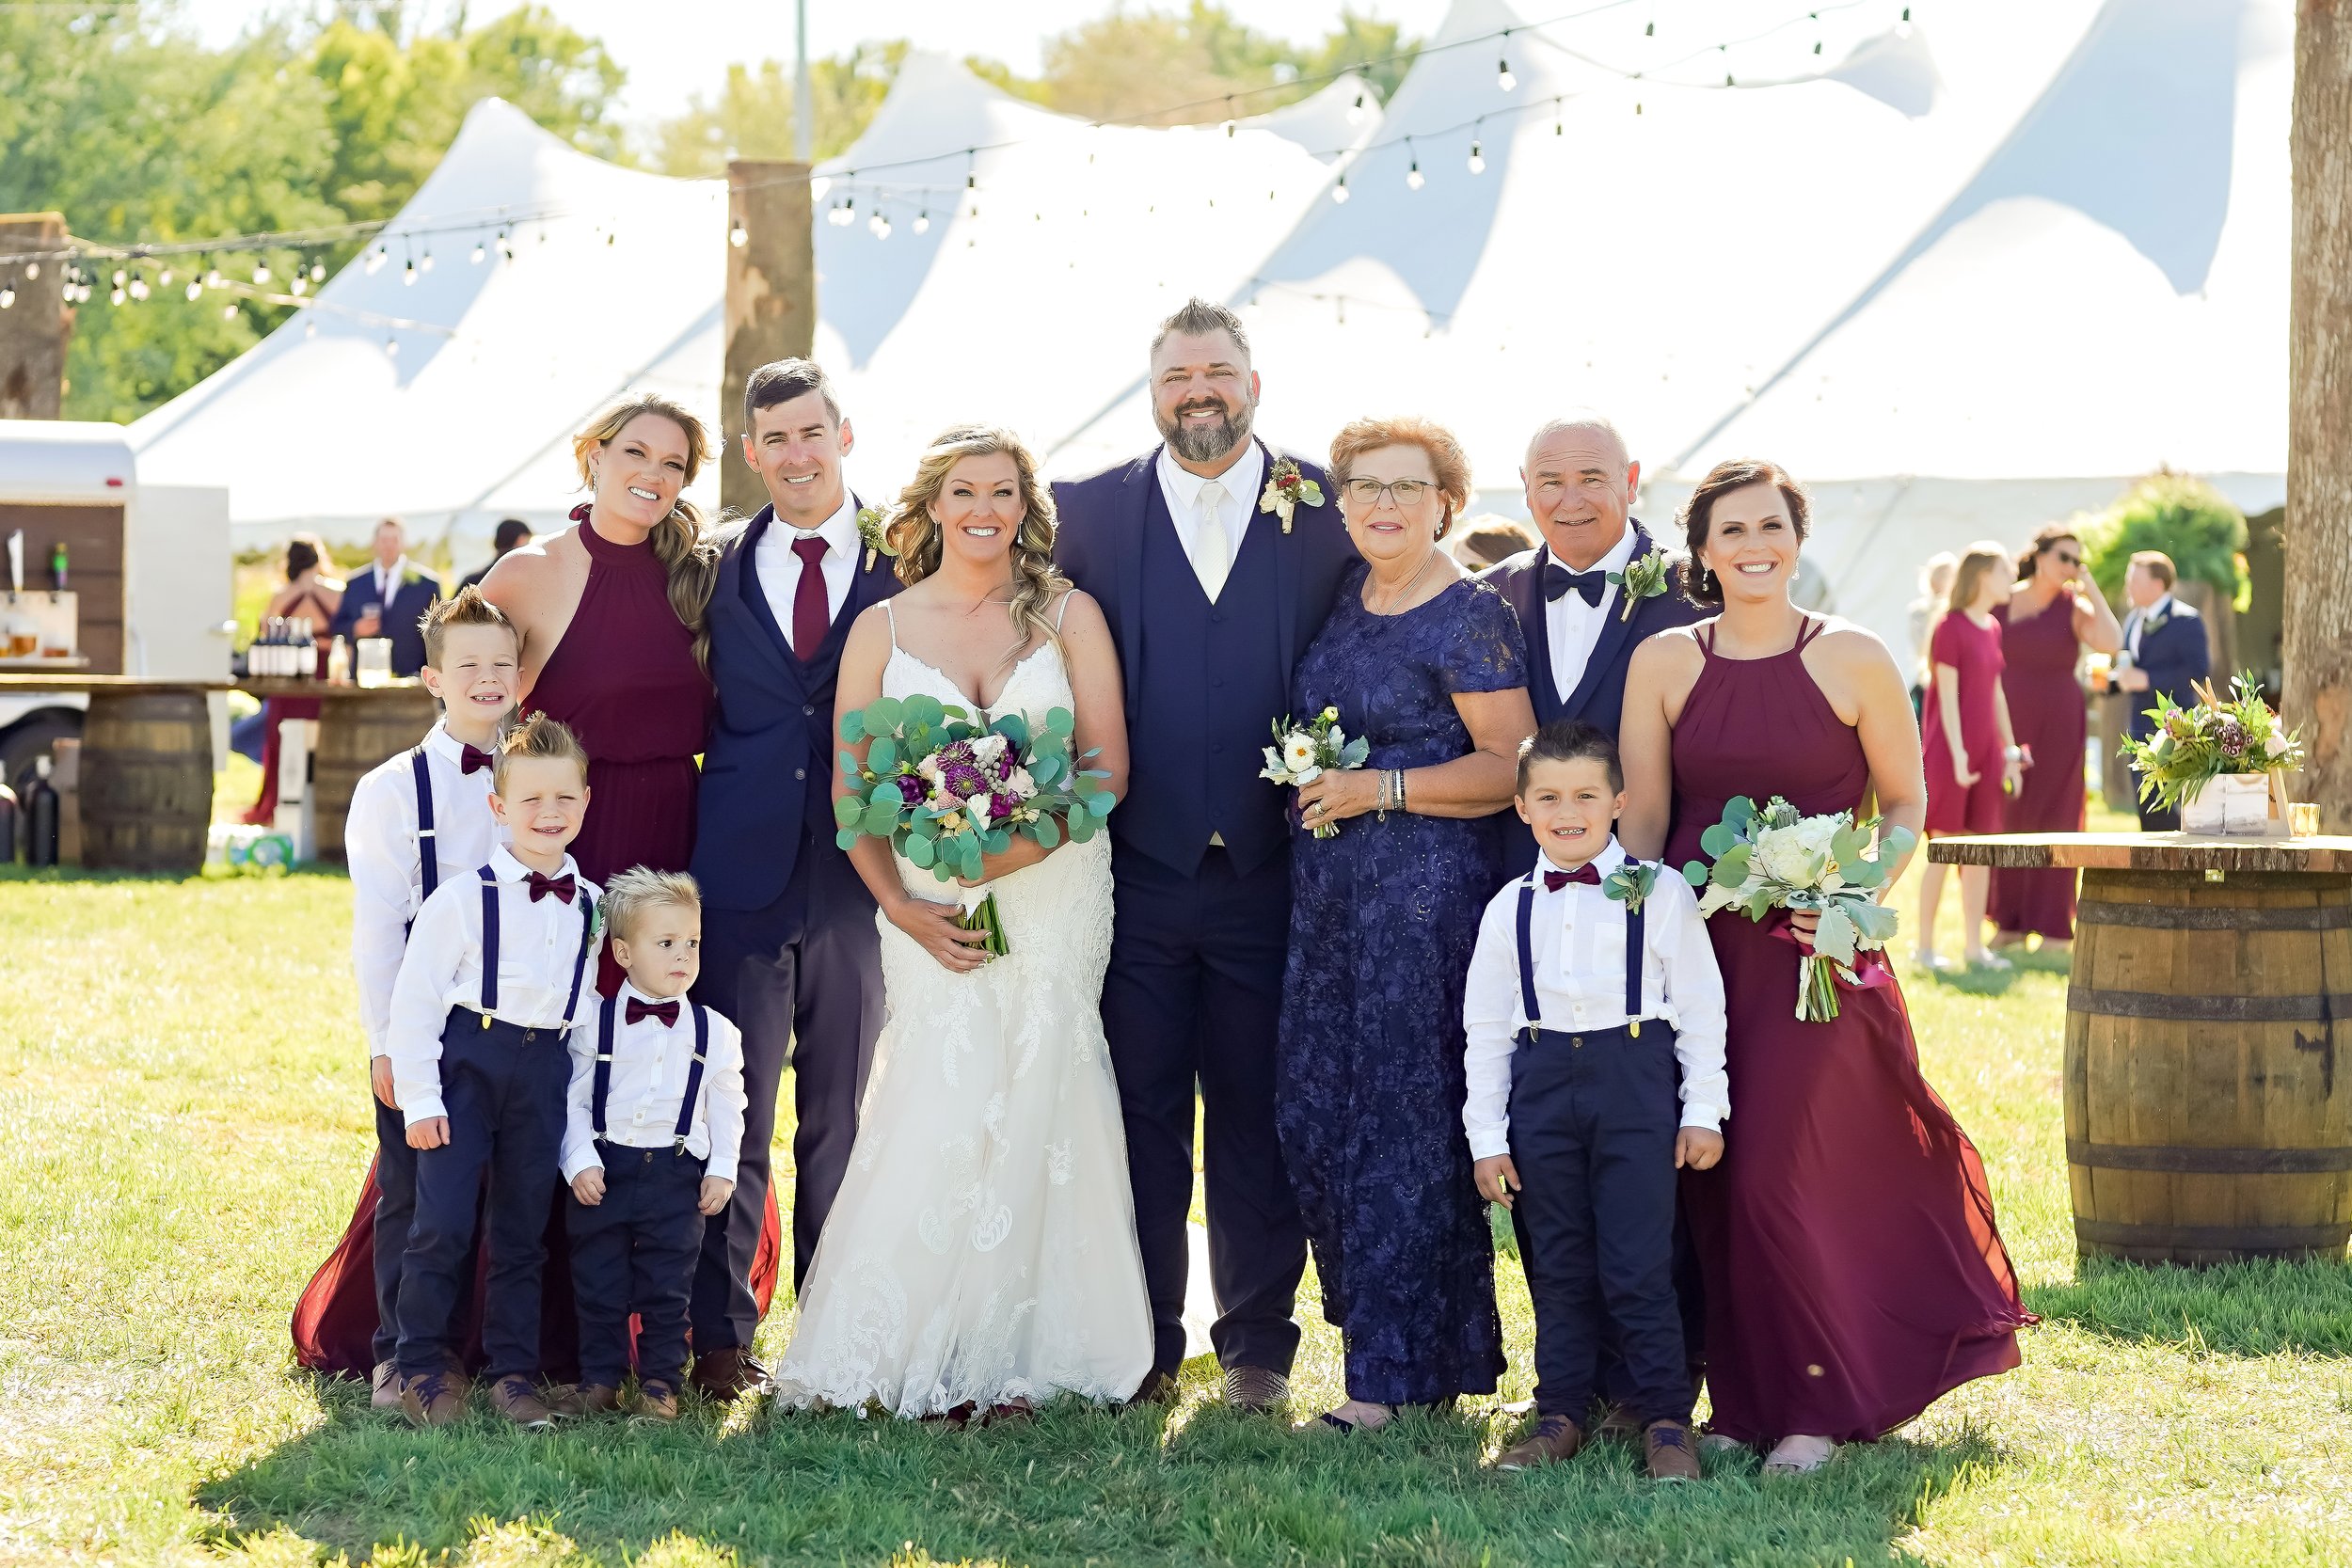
[[1970, 759], [2052, 614], [1852, 1271]]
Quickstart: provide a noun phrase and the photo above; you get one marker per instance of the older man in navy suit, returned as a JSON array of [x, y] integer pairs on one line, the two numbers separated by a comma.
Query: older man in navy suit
[[1579, 627], [387, 597], [790, 948], [2166, 652], [1212, 593]]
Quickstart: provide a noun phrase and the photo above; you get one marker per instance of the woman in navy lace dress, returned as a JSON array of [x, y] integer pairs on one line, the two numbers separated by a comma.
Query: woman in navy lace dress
[[1429, 667]]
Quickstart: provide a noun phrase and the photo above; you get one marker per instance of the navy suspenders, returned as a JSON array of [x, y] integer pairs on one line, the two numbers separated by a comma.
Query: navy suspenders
[[603, 1080], [1634, 952], [428, 856], [490, 948]]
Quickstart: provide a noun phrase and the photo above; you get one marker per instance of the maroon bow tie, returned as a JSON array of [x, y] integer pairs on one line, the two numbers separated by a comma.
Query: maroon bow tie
[[665, 1011], [1555, 880], [472, 759], [561, 886]]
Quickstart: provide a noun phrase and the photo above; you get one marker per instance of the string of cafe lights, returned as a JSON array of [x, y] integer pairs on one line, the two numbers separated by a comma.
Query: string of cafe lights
[[126, 283]]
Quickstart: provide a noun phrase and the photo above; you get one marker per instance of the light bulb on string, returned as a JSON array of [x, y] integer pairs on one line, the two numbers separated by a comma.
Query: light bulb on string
[[923, 221], [479, 250], [195, 290], [162, 279], [32, 270], [737, 235], [120, 277], [1413, 180], [376, 259], [311, 328], [318, 272], [506, 246], [1504, 81], [7, 295], [138, 287], [878, 226], [1339, 191], [300, 284], [228, 311], [408, 272], [120, 295], [1229, 130], [391, 347], [260, 274], [1477, 157], [1355, 111]]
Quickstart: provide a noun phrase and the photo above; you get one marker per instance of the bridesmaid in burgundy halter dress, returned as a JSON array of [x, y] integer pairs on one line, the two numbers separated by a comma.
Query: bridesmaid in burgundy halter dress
[[1852, 1271]]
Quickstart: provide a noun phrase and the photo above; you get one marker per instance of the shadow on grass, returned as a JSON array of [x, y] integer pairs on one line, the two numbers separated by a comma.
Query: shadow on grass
[[1073, 1484], [2253, 1309]]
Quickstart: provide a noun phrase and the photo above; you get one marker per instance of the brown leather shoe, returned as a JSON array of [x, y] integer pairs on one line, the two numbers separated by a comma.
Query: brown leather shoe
[[1671, 1457], [520, 1402], [386, 1394], [729, 1374], [563, 1401], [1256, 1390], [656, 1401], [1554, 1441], [599, 1398], [1612, 1423], [434, 1399]]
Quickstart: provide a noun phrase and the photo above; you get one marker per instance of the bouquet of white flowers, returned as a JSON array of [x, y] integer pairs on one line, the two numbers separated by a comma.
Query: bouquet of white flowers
[[1301, 754], [1771, 858]]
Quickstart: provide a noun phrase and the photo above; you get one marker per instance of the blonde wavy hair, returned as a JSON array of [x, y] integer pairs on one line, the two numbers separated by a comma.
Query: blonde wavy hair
[[914, 533], [680, 541]]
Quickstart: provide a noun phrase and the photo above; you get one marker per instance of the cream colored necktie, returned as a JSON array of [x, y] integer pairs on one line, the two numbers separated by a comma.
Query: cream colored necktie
[[1212, 551]]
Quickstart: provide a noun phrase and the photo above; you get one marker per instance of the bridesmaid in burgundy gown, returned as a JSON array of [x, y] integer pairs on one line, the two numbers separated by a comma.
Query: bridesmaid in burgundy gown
[[2054, 613], [1852, 1271]]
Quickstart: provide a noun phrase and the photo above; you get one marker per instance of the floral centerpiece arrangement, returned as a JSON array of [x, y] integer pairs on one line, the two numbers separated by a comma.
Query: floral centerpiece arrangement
[[2218, 738], [1770, 860], [1301, 754], [945, 791]]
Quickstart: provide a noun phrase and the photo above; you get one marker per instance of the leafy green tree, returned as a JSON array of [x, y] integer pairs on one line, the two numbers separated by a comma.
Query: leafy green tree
[[2184, 517], [753, 116]]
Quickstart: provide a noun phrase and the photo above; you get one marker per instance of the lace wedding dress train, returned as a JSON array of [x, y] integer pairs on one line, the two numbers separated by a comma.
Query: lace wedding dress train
[[982, 1248]]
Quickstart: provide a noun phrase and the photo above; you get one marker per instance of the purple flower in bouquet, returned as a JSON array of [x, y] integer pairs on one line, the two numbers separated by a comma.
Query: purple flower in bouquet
[[911, 789], [2230, 736]]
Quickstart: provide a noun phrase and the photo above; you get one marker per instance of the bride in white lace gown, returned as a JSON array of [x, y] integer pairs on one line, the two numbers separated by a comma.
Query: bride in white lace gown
[[982, 1251]]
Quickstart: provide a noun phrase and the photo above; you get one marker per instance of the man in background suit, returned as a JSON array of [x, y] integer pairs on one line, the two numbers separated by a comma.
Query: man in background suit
[[511, 534], [1580, 484], [387, 597], [2165, 640], [789, 948]]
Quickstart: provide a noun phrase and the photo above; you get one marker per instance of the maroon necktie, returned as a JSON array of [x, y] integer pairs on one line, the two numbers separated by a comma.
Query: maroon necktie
[[561, 886], [809, 618], [665, 1011], [1555, 880], [472, 759]]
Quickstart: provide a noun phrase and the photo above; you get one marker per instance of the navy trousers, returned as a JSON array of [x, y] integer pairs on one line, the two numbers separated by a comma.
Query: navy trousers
[[636, 1252], [395, 1208], [1194, 995], [802, 979], [1593, 1124], [503, 1089]]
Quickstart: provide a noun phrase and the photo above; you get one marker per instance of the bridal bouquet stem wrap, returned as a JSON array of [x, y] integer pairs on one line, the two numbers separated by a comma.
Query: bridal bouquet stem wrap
[[1771, 858], [1301, 754], [945, 791]]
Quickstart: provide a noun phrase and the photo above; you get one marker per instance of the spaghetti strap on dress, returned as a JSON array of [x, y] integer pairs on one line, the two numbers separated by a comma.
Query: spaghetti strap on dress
[[1854, 1272]]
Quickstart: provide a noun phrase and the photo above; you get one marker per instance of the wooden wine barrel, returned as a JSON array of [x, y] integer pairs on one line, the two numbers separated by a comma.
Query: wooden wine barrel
[[358, 729], [147, 780]]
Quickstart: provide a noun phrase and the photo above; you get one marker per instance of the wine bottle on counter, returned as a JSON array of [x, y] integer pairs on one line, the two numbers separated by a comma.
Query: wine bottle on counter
[[306, 650], [41, 817]]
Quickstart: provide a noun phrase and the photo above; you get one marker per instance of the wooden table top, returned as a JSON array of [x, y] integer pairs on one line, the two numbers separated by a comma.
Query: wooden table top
[[130, 685], [353, 692], [2144, 852]]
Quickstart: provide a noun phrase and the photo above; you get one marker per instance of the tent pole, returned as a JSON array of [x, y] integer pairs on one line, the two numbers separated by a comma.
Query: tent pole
[[804, 111]]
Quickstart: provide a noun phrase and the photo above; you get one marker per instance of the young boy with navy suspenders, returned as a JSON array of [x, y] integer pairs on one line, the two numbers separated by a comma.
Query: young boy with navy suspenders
[[1592, 983], [495, 977], [653, 1126], [416, 822]]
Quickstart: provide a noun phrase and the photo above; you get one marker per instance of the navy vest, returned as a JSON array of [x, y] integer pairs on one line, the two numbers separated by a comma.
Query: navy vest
[[1212, 683]]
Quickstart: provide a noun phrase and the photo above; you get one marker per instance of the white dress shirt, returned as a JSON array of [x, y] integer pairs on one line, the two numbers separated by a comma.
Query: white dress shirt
[[779, 569], [1578, 940], [1243, 481], [381, 847], [385, 580], [1574, 626], [647, 1085], [538, 952]]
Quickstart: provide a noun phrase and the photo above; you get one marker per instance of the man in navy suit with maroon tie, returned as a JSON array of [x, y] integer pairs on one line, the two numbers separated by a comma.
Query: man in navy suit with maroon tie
[[790, 952]]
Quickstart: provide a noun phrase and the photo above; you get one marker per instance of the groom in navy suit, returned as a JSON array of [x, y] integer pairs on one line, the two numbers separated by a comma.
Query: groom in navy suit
[[1210, 598], [1580, 635], [789, 948]]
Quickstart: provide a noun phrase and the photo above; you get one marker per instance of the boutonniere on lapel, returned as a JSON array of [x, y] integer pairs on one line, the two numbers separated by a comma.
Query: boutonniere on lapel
[[2153, 622], [1630, 885], [1644, 578], [1286, 490], [873, 528]]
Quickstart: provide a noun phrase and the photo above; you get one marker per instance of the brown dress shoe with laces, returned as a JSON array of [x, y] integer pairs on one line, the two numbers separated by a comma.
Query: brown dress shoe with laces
[[1671, 1454], [385, 1393], [728, 1373], [599, 1398], [1256, 1390], [520, 1402], [656, 1401], [1554, 1441], [563, 1401], [434, 1399]]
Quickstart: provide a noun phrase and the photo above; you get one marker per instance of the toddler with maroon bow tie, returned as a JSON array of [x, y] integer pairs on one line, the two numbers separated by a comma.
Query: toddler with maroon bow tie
[[492, 983], [652, 1130], [1594, 1011], [418, 821]]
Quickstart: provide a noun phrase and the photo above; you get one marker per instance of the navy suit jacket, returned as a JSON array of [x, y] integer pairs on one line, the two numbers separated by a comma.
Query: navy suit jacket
[[1599, 697], [772, 735], [1102, 518], [2174, 654], [410, 600]]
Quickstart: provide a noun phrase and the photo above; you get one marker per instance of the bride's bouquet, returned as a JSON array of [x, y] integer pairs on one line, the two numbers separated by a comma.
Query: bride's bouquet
[[1301, 754], [945, 791], [1771, 859]]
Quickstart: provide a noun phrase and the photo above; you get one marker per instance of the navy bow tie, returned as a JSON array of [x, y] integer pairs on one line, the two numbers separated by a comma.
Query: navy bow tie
[[561, 886], [472, 759], [665, 1011], [1558, 580], [1555, 880]]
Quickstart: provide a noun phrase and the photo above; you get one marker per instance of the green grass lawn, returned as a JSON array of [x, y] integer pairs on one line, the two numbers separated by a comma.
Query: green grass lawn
[[186, 1119]]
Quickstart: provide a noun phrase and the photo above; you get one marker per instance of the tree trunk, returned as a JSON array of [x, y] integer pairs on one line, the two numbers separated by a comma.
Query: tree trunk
[[35, 328], [770, 304], [2319, 420]]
